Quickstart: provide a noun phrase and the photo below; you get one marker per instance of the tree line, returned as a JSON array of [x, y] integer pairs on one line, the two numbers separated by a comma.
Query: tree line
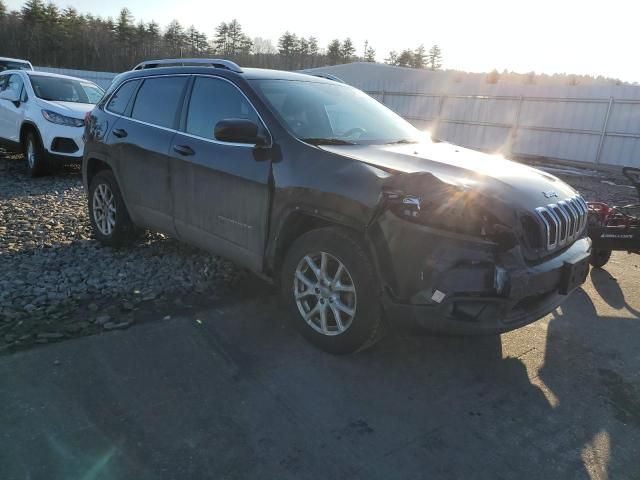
[[49, 36]]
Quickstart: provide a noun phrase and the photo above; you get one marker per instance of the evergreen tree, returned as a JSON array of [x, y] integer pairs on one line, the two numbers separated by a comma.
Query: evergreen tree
[[334, 52], [347, 50], [174, 39], [434, 58], [313, 47], [124, 26], [405, 59], [238, 42], [45, 35], [419, 57], [221, 40], [369, 53], [33, 12], [287, 44]]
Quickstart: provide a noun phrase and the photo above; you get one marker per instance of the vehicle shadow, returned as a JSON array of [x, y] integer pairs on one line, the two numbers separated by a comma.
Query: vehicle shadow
[[587, 362], [608, 288], [522, 406]]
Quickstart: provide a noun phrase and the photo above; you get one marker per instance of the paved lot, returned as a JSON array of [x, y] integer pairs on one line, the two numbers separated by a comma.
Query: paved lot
[[232, 392]]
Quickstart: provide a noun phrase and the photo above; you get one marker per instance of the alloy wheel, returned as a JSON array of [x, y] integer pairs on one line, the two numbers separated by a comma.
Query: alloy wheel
[[104, 209], [325, 293], [31, 153]]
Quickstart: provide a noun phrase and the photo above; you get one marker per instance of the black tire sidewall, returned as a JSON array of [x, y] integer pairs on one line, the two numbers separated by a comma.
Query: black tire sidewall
[[599, 258], [367, 323], [124, 230]]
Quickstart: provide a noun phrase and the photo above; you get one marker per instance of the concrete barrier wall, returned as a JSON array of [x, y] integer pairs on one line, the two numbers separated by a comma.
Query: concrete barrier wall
[[586, 124]]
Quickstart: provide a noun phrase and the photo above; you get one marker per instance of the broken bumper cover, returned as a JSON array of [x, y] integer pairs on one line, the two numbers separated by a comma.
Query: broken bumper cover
[[461, 286]]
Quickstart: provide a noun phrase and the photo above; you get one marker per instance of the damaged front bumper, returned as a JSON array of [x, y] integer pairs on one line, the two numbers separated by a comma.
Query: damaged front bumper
[[456, 284]]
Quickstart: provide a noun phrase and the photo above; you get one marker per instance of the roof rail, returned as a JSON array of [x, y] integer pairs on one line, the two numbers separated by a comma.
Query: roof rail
[[328, 76], [185, 62]]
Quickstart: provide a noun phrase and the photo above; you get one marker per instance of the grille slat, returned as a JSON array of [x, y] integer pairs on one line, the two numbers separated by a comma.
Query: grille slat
[[563, 221]]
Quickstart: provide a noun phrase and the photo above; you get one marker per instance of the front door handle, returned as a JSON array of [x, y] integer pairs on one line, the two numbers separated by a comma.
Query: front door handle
[[120, 133], [183, 150]]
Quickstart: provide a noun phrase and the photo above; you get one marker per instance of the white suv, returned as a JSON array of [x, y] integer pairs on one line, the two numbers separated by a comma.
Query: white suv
[[42, 114]]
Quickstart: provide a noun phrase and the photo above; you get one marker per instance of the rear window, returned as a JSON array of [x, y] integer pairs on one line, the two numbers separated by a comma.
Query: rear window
[[11, 65], [64, 89], [119, 101], [158, 100]]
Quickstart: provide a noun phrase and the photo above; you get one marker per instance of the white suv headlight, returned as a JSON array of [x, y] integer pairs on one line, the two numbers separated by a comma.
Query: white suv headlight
[[54, 117]]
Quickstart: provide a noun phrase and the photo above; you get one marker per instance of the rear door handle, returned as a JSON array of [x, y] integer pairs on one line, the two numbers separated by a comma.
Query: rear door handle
[[183, 150], [120, 133]]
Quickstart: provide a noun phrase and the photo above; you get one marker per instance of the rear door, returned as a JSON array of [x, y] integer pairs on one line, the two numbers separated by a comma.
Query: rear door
[[220, 190], [141, 138], [11, 114]]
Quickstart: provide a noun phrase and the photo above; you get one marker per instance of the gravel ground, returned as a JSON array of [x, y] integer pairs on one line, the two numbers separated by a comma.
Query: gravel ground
[[58, 282]]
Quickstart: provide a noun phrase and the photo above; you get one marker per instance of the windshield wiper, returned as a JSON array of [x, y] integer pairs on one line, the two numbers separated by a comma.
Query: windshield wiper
[[402, 140], [327, 141]]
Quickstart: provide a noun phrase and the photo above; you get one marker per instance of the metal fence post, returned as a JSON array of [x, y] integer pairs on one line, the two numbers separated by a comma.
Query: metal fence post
[[436, 125], [603, 132], [383, 94], [513, 134]]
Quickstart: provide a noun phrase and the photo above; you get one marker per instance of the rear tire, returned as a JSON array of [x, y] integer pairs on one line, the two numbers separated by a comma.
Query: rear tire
[[108, 213], [599, 258], [35, 155], [330, 286]]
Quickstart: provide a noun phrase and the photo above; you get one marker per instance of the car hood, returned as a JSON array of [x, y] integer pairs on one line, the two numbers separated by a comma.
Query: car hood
[[491, 175], [70, 109]]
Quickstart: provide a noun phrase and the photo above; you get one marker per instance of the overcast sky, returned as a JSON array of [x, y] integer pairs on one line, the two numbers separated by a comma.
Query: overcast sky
[[583, 37]]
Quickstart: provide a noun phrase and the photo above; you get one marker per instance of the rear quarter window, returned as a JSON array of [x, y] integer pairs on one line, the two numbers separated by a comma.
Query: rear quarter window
[[119, 100], [158, 100]]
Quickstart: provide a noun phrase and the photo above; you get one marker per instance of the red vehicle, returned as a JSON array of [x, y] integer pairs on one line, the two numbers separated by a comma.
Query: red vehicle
[[615, 228]]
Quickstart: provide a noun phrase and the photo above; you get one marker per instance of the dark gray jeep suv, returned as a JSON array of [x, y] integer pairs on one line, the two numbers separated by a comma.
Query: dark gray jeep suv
[[357, 215]]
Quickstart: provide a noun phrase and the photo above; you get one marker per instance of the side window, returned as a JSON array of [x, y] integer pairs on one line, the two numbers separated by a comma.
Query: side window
[[158, 100], [213, 100], [119, 101], [4, 80], [15, 84]]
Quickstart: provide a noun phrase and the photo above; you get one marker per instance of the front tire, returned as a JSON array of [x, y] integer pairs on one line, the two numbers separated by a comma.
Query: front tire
[[109, 216], [599, 258], [35, 155], [329, 284]]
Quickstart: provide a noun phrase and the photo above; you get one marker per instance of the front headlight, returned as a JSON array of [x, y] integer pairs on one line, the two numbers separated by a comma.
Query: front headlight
[[452, 210], [58, 119]]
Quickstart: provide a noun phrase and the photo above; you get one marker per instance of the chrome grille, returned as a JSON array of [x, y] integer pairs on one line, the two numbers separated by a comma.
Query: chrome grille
[[563, 221]]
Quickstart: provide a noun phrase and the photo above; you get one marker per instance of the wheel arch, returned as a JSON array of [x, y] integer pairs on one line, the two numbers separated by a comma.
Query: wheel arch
[[27, 126], [297, 222], [92, 165]]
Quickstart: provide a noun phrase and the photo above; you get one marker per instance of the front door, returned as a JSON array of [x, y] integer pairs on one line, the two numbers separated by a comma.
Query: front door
[[11, 113], [220, 190]]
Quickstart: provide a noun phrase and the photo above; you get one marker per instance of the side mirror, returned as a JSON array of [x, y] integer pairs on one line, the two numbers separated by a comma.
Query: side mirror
[[238, 130], [11, 95]]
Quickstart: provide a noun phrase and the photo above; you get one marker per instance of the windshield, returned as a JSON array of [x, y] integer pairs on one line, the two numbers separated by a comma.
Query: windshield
[[58, 89], [11, 65], [327, 113]]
